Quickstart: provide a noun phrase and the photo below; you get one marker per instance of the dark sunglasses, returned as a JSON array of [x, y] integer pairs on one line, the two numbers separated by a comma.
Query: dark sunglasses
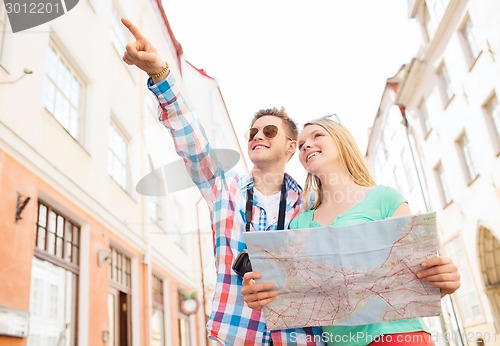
[[270, 131]]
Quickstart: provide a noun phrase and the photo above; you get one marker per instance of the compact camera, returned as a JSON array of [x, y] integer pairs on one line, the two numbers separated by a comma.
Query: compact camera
[[242, 264]]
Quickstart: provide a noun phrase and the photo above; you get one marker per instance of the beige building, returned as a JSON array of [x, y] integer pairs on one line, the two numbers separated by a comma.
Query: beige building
[[436, 137], [100, 243]]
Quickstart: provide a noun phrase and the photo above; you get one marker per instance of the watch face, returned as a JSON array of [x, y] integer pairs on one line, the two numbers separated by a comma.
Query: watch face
[[189, 306]]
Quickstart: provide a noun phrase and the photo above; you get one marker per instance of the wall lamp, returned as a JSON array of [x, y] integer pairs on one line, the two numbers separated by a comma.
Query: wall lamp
[[21, 204], [26, 72], [103, 256]]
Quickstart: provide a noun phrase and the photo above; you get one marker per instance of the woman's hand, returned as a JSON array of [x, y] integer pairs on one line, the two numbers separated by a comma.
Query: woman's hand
[[257, 295], [441, 272]]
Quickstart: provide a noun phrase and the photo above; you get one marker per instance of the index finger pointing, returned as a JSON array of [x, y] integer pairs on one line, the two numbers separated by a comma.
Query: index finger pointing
[[132, 28]]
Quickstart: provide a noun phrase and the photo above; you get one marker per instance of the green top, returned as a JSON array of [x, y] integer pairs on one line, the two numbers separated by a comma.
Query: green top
[[378, 204]]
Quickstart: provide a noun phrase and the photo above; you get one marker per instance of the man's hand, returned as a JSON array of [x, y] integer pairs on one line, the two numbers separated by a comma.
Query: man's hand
[[257, 295], [141, 52], [441, 272]]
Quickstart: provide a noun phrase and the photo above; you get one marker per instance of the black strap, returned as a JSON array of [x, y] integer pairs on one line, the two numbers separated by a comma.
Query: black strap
[[281, 212], [248, 212]]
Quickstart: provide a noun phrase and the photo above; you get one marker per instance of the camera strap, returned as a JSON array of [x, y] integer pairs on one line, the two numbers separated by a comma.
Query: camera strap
[[281, 212]]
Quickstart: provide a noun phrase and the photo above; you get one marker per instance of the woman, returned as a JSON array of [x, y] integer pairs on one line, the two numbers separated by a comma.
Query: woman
[[346, 194]]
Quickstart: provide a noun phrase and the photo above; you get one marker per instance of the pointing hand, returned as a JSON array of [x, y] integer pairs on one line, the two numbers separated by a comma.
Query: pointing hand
[[141, 52]]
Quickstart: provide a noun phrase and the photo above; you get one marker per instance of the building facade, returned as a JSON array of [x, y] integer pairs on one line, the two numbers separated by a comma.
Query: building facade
[[438, 131], [99, 245]]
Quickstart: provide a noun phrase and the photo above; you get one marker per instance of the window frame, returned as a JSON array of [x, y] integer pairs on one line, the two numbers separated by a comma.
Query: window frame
[[38, 300], [408, 168], [44, 256], [6, 42], [463, 264], [445, 85], [120, 291], [155, 206], [428, 23], [44, 253], [120, 264], [466, 158], [3, 30], [158, 304], [185, 327], [424, 119], [61, 91], [443, 188], [493, 120], [113, 157], [118, 35], [470, 41]]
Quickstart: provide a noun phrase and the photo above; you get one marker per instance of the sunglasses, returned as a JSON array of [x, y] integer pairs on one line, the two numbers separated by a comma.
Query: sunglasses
[[332, 115], [270, 131]]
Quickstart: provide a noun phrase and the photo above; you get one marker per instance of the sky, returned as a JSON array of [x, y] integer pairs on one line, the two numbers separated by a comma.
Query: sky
[[314, 58]]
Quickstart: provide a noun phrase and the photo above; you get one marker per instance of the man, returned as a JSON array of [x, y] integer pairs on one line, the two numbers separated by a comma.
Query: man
[[274, 197]]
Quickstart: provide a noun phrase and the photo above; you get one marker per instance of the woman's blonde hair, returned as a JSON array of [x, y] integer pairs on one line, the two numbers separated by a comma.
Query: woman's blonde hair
[[350, 156]]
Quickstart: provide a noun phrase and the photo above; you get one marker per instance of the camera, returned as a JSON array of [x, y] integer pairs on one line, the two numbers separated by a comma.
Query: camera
[[242, 264]]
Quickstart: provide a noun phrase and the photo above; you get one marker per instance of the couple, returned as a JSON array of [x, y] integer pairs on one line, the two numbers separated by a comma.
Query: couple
[[269, 196]]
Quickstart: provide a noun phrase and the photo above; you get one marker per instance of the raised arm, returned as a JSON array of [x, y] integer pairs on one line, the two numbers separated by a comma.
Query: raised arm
[[143, 54], [191, 142]]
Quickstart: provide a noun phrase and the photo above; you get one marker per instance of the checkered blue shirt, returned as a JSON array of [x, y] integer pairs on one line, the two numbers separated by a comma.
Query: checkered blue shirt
[[231, 321]]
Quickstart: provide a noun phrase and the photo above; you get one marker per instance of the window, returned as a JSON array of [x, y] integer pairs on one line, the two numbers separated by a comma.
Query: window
[[175, 217], [470, 307], [120, 269], [493, 114], [158, 298], [184, 331], [444, 84], [470, 39], [466, 158], [423, 116], [57, 236], [380, 158], [117, 157], [441, 180], [6, 42], [62, 94], [118, 34], [409, 168], [119, 299], [184, 327], [3, 28], [154, 208], [438, 7], [54, 279], [398, 177], [429, 26], [158, 318]]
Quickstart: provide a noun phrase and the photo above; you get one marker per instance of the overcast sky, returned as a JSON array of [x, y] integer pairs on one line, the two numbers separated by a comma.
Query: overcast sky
[[314, 58]]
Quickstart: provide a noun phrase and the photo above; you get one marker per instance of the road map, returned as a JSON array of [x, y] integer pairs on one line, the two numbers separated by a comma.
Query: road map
[[349, 275]]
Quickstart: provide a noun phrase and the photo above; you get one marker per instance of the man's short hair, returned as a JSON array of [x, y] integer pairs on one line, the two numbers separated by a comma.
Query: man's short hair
[[290, 126]]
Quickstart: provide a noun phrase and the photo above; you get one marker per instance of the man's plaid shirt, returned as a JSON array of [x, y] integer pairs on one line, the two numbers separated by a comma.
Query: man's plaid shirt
[[231, 321]]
